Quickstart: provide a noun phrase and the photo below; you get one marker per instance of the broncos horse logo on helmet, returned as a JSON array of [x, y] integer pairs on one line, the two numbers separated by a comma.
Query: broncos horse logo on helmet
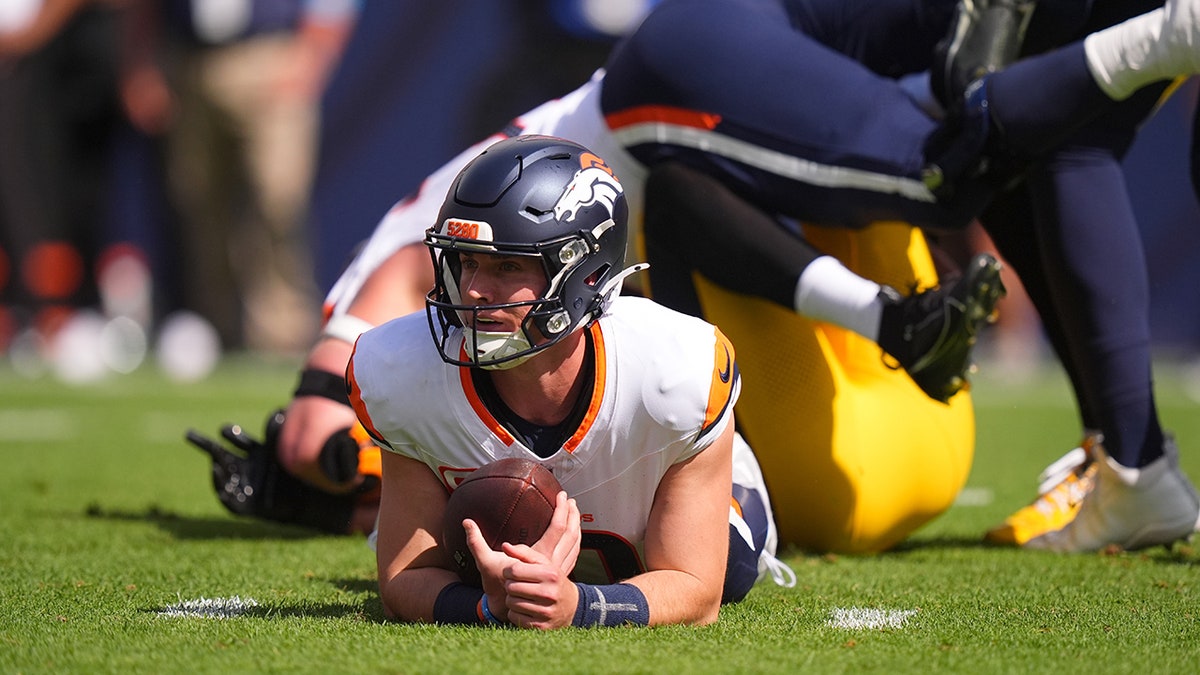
[[593, 184]]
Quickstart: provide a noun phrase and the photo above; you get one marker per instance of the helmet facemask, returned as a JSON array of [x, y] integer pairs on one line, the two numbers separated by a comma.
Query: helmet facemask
[[528, 196], [565, 264]]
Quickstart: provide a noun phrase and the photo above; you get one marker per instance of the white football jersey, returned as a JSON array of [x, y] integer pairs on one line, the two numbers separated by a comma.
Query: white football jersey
[[575, 116], [665, 386]]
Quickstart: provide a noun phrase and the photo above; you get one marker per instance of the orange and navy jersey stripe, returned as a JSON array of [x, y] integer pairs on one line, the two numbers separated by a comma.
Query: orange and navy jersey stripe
[[481, 410], [628, 121], [724, 379], [598, 389], [764, 101], [589, 417], [360, 408]]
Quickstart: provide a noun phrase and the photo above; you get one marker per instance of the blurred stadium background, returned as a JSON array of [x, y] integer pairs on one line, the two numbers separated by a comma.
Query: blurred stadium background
[[92, 279]]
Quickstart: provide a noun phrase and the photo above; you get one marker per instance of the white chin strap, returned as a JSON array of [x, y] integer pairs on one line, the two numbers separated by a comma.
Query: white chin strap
[[491, 347]]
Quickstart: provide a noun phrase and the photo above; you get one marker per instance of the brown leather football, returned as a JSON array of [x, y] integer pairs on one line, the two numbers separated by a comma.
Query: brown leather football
[[512, 500]]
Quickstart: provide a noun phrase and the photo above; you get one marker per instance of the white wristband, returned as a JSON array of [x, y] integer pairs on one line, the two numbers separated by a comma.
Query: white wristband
[[345, 327]]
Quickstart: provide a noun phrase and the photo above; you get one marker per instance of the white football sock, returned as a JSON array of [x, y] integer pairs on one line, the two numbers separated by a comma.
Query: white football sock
[[1154, 46], [1122, 57], [828, 291]]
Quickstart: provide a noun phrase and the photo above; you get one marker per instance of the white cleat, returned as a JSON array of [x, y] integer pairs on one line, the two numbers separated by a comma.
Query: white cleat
[[1061, 489], [1130, 508]]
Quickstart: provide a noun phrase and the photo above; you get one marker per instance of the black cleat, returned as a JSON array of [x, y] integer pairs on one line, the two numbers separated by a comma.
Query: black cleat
[[931, 333], [985, 36]]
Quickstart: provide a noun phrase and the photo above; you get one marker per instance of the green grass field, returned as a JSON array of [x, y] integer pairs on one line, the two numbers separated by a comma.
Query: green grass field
[[108, 523]]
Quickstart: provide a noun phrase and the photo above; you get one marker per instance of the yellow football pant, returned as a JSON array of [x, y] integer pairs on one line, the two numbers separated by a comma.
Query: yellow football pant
[[855, 455]]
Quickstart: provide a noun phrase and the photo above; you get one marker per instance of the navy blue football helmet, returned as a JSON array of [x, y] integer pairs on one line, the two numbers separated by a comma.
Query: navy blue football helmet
[[536, 196]]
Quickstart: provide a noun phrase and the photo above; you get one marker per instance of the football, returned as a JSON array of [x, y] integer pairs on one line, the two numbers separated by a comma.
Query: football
[[512, 500]]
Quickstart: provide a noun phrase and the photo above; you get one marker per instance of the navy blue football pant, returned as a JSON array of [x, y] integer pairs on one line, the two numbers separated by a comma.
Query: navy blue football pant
[[802, 96]]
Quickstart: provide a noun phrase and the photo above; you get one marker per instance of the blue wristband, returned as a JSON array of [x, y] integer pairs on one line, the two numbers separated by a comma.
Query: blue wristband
[[486, 613], [612, 605], [458, 603]]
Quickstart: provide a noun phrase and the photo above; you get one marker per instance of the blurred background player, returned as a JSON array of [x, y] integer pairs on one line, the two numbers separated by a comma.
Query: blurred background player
[[59, 117], [235, 89]]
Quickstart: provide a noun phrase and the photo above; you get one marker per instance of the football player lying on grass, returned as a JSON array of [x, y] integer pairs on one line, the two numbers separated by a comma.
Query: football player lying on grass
[[1024, 107], [535, 355]]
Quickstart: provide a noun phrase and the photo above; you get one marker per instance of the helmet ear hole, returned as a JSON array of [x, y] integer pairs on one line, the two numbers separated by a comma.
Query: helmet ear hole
[[594, 278]]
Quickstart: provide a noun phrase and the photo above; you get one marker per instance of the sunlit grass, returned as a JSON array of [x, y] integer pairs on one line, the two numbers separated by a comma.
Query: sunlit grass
[[108, 522]]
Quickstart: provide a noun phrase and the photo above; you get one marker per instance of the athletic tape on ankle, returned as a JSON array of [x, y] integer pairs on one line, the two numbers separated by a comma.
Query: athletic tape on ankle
[[611, 605]]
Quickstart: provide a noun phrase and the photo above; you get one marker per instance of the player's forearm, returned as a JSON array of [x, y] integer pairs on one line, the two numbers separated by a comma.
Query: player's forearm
[[411, 595], [314, 426], [676, 597], [687, 537], [314, 417]]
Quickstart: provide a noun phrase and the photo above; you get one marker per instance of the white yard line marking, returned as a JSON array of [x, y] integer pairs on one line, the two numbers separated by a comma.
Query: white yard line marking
[[868, 617], [210, 608], [974, 496]]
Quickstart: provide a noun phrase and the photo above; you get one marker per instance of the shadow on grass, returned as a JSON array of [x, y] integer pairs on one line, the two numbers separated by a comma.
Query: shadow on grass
[[370, 611], [190, 527], [942, 542], [1179, 553], [946, 543], [357, 585]]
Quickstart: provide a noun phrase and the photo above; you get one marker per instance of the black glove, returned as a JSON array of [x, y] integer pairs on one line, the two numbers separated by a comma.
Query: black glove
[[255, 484]]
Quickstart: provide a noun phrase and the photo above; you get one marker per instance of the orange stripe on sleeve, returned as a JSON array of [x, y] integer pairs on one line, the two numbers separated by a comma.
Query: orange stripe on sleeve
[[724, 376], [661, 114], [356, 402]]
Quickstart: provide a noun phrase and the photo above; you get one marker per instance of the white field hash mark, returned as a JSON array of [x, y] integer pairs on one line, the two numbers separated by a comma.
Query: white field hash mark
[[868, 617], [210, 608], [974, 496]]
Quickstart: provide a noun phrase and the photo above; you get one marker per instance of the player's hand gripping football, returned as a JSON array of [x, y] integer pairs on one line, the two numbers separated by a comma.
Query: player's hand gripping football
[[533, 581]]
